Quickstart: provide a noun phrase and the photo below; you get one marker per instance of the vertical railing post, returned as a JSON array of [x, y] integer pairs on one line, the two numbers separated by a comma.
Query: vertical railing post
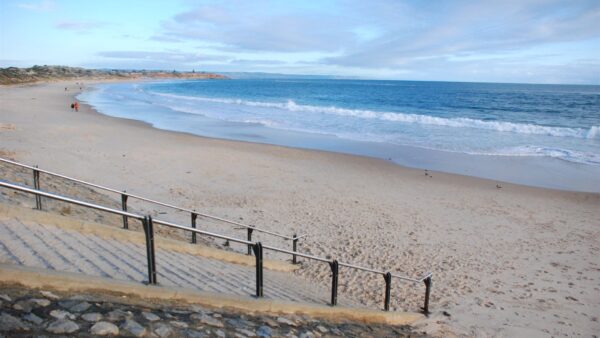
[[194, 216], [36, 185], [427, 282], [124, 197], [334, 281], [149, 231], [258, 252], [388, 286], [294, 248], [249, 240]]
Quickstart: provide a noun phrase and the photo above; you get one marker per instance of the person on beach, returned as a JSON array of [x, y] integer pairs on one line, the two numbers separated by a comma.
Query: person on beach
[[76, 106], [72, 106]]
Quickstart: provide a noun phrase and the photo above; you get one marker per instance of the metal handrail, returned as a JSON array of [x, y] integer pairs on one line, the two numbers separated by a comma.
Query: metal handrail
[[316, 258], [202, 232], [257, 246], [69, 200], [253, 228]]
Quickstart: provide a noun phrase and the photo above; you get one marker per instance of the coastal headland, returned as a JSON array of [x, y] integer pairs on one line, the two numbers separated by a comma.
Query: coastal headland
[[14, 75], [508, 260]]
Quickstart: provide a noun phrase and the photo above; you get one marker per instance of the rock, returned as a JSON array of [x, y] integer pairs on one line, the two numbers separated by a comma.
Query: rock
[[49, 295], [104, 329], [163, 330], [80, 298], [180, 325], [133, 327], [62, 326], [307, 334], [91, 317], [10, 323], [180, 312], [197, 308], [23, 305], [270, 322], [80, 307], [67, 304], [5, 298], [336, 331], [245, 332], [62, 314], [118, 314], [40, 302], [30, 304], [194, 334], [264, 331], [151, 317], [207, 320], [322, 329], [285, 321], [239, 322], [220, 333], [30, 317]]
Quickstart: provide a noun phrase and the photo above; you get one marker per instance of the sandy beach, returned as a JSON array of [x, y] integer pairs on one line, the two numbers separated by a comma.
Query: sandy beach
[[509, 261]]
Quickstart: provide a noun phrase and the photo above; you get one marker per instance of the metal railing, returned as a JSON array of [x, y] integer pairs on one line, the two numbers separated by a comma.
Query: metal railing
[[125, 197], [257, 248]]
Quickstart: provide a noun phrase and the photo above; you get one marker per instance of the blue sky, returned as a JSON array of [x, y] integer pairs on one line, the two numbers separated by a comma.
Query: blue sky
[[535, 41]]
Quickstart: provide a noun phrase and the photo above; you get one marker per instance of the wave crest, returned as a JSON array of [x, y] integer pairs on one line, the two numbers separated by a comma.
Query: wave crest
[[463, 122]]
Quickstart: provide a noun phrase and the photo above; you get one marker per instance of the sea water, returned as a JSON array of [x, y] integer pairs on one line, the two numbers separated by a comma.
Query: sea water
[[544, 135]]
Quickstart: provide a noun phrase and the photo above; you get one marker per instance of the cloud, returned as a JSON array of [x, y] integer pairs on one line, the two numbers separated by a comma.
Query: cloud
[[253, 62], [386, 34], [479, 27], [79, 26], [165, 57], [261, 26], [162, 38], [42, 6]]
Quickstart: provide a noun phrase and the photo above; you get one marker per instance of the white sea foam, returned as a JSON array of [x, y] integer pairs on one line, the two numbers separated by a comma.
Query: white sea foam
[[522, 128], [594, 132], [554, 152]]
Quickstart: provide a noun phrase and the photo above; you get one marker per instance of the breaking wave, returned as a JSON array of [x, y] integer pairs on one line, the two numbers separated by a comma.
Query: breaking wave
[[459, 122]]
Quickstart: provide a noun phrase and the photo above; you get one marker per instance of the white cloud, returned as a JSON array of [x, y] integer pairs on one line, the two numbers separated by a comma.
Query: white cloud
[[41, 6], [80, 26]]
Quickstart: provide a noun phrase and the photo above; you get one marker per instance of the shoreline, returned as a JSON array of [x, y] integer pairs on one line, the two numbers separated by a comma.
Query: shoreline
[[533, 171], [484, 245]]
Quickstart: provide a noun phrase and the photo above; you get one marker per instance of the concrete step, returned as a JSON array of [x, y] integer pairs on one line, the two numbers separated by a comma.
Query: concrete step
[[35, 244]]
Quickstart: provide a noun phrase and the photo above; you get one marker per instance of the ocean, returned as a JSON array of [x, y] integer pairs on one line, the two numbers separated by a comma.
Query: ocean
[[490, 130]]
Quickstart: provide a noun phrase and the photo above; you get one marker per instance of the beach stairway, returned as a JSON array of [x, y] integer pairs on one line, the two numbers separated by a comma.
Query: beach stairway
[[157, 256], [37, 239]]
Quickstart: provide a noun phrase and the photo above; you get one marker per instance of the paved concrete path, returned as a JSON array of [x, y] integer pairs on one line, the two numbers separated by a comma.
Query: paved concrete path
[[50, 247]]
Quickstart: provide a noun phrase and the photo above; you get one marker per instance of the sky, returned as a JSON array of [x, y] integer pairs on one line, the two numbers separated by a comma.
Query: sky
[[529, 41]]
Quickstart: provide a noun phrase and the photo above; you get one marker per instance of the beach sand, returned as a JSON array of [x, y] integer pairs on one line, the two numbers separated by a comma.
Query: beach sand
[[509, 261]]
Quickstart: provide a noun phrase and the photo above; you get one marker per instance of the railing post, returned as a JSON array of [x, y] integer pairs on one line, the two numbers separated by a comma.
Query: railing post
[[334, 281], [427, 282], [388, 286], [258, 252], [294, 248], [249, 240], [149, 231], [36, 185], [194, 216], [124, 197]]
